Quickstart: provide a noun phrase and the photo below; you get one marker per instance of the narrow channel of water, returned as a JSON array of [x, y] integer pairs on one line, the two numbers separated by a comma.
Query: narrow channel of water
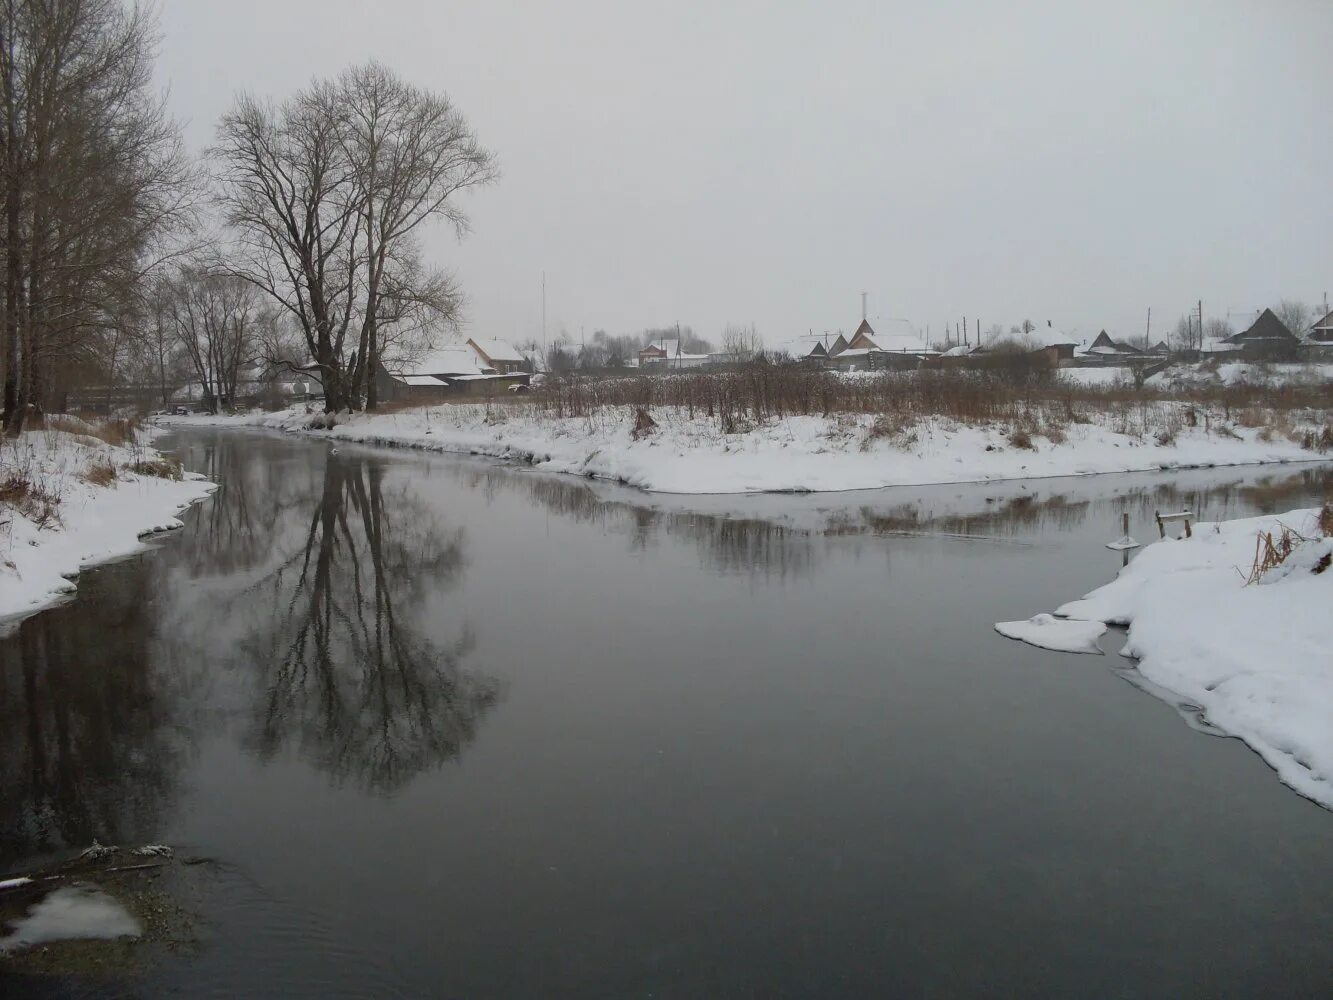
[[451, 728]]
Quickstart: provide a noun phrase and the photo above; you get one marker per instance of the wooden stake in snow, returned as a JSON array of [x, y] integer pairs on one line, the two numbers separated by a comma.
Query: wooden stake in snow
[[1124, 543], [1183, 515]]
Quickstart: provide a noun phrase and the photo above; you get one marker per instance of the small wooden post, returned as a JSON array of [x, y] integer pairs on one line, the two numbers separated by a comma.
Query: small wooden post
[[1161, 528], [1124, 533]]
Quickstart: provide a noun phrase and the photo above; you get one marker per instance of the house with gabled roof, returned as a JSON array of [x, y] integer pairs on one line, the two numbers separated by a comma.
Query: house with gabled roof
[[455, 369], [499, 355], [1321, 330], [658, 352], [1267, 338], [1105, 350], [863, 339]]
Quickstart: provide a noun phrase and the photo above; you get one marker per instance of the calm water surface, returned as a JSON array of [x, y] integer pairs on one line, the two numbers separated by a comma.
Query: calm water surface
[[455, 730]]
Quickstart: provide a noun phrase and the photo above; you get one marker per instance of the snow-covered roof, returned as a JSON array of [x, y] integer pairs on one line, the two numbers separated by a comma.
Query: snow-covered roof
[[1218, 346], [903, 343], [957, 352], [419, 380], [672, 347], [798, 348], [457, 359], [854, 352], [497, 350], [1046, 336], [481, 377]]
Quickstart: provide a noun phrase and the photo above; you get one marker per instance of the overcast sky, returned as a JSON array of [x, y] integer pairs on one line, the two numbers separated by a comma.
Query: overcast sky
[[767, 162]]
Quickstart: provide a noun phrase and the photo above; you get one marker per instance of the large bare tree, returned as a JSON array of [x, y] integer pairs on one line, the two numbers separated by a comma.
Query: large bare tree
[[327, 194]]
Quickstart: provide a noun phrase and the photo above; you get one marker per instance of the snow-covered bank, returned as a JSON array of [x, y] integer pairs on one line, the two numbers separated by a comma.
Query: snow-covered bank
[[799, 453], [1256, 659], [70, 500]]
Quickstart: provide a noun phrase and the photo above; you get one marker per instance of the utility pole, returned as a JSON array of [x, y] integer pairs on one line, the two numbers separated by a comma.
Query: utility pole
[[1201, 324], [543, 312], [1147, 331]]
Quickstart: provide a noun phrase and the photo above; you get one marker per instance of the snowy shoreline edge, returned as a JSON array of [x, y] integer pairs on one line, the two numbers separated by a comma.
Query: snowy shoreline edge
[[97, 523], [794, 457], [1252, 657]]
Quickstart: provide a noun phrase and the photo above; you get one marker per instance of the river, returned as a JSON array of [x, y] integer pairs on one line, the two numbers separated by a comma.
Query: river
[[449, 728]]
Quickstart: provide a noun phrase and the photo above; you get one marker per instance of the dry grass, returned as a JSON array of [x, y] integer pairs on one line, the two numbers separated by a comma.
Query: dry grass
[[1020, 437], [1036, 402], [897, 429], [1270, 553], [34, 501], [100, 472], [117, 431], [162, 468]]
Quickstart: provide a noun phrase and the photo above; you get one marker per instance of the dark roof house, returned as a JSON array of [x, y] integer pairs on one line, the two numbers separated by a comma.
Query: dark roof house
[[1321, 331], [1267, 336], [1106, 347]]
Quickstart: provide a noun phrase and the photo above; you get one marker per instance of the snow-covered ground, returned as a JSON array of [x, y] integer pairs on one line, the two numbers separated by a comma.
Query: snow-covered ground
[[1255, 659], [66, 521], [1184, 376], [841, 452]]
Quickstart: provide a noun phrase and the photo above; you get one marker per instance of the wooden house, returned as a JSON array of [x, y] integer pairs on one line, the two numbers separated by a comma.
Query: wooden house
[[499, 356], [1267, 339]]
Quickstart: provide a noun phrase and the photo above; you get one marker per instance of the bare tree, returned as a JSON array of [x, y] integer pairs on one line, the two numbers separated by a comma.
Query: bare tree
[[328, 193], [216, 316], [1298, 317], [411, 152], [741, 342], [1217, 329], [95, 179]]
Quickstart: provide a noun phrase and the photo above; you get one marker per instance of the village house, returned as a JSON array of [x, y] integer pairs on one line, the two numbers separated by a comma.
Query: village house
[[1318, 342], [499, 356], [454, 370], [667, 355], [1106, 351], [659, 352], [1267, 338]]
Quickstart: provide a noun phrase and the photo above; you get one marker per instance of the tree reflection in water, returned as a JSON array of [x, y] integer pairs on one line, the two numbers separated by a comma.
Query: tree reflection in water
[[90, 737], [314, 589], [346, 674]]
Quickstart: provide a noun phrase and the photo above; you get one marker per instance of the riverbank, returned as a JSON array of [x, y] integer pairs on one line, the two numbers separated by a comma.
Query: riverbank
[[74, 494], [687, 452], [1220, 624]]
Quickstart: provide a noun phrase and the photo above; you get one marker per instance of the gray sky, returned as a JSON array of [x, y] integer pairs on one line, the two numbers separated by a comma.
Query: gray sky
[[745, 161]]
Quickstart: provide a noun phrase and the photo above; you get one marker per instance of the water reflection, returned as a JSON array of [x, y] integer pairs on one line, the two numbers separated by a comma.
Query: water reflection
[[327, 603], [345, 672], [90, 741], [734, 543], [774, 538]]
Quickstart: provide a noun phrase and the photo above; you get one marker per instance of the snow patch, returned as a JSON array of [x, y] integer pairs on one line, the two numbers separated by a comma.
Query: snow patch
[[71, 913], [1058, 634]]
